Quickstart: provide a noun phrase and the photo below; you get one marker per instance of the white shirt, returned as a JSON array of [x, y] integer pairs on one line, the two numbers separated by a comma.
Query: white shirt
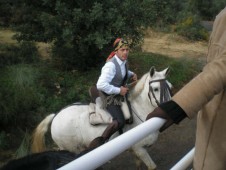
[[107, 74]]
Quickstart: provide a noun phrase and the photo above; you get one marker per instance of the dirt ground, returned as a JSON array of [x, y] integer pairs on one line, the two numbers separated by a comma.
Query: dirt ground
[[178, 140], [173, 45]]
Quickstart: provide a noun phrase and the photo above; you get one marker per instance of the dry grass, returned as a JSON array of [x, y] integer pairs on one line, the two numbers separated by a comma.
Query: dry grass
[[173, 45], [44, 50], [6, 36]]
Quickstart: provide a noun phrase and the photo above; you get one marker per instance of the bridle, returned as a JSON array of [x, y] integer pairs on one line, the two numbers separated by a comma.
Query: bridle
[[165, 91], [165, 94]]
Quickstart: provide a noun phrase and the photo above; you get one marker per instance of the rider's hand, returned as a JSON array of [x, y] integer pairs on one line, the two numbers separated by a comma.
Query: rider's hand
[[123, 90], [158, 112], [134, 77]]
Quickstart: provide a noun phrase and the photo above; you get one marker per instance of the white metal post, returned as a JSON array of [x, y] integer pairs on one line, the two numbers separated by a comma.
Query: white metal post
[[185, 161]]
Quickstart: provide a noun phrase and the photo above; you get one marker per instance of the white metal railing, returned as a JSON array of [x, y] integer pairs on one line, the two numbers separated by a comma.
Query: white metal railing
[[112, 148], [185, 161]]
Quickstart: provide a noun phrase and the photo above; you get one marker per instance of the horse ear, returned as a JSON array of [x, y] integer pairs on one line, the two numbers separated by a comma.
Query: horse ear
[[152, 71], [166, 71]]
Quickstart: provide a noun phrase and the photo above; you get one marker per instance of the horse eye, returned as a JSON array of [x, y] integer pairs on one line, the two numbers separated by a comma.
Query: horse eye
[[156, 89]]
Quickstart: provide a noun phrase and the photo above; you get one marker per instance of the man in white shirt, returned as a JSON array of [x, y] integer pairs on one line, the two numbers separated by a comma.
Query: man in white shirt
[[111, 84]]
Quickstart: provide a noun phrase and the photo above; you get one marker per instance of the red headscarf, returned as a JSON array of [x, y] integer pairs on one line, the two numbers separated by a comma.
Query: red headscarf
[[119, 42]]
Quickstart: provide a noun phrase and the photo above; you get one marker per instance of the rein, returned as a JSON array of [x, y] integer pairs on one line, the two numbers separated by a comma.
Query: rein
[[165, 91], [137, 115]]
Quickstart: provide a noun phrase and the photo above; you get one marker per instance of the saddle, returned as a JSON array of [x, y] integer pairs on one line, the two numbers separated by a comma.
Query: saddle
[[99, 115], [93, 93]]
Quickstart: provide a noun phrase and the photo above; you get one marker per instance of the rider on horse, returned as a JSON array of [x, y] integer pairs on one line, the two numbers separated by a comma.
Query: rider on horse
[[111, 85]]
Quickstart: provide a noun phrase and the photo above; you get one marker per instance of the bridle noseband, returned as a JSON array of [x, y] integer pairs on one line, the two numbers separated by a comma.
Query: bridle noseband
[[165, 91]]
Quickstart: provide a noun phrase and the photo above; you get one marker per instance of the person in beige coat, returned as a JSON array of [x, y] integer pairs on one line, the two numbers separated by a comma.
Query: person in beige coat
[[206, 95]]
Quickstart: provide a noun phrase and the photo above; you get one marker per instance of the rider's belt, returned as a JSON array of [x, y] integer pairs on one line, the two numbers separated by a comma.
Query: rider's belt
[[113, 99]]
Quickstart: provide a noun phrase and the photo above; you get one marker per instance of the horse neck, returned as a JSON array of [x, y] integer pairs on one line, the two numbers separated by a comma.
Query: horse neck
[[139, 97], [139, 87]]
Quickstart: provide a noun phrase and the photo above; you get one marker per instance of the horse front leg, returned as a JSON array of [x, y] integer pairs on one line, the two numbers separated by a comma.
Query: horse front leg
[[143, 156]]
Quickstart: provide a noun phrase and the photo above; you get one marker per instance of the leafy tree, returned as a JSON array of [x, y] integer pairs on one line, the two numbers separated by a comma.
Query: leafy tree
[[82, 31], [5, 12], [208, 9], [165, 12]]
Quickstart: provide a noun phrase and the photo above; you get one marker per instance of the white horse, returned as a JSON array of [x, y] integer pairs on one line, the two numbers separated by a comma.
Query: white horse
[[71, 130]]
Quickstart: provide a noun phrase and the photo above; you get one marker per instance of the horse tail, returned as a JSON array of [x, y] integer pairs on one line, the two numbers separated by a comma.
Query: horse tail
[[38, 137]]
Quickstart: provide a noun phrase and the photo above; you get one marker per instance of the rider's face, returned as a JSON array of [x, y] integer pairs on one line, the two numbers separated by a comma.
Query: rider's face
[[123, 53]]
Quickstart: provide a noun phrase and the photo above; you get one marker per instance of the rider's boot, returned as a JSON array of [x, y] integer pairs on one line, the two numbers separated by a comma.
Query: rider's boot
[[110, 130]]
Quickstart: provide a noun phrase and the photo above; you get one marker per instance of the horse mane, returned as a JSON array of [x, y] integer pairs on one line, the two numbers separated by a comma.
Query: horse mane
[[139, 86]]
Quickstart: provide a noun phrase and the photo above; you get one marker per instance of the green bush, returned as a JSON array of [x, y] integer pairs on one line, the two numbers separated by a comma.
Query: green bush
[[208, 9], [25, 52], [28, 92], [5, 13], [24, 148], [3, 140], [28, 52], [19, 95], [164, 13], [8, 55], [190, 28]]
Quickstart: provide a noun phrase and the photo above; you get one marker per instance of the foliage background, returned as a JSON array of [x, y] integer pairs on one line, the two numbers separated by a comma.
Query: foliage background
[[81, 32]]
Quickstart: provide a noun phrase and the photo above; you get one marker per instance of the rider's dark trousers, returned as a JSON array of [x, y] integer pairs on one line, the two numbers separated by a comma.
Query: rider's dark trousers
[[117, 114]]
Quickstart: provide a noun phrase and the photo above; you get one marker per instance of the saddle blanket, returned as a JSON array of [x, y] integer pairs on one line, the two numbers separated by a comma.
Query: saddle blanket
[[98, 115]]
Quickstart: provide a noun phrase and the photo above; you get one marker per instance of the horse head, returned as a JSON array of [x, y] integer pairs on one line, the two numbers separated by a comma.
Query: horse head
[[159, 87], [151, 90]]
